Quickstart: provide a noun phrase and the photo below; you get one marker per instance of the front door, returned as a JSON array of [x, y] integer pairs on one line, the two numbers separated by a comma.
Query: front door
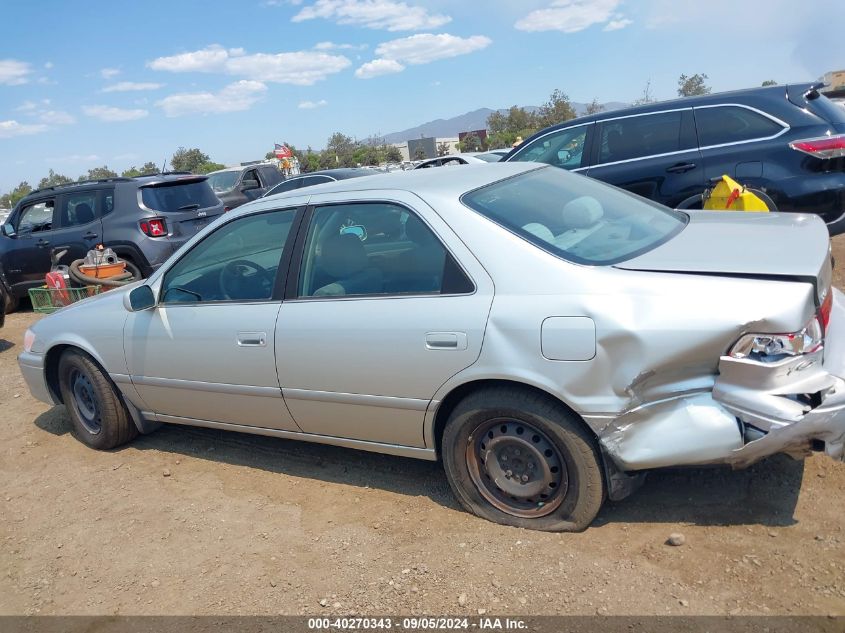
[[380, 313], [652, 155], [206, 351], [26, 256]]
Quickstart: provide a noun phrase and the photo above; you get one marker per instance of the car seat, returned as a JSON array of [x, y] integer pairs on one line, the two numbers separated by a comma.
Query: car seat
[[344, 259]]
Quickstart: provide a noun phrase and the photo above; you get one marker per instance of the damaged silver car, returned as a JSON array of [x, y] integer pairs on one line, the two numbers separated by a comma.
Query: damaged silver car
[[548, 337]]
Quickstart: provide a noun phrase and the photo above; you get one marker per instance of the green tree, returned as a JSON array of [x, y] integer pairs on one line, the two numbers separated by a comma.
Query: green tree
[[470, 143], [556, 110], [188, 159], [393, 155], [9, 200], [146, 169], [692, 86], [343, 148], [208, 167], [52, 179], [99, 173], [769, 82], [310, 161], [443, 149], [594, 107], [419, 153], [646, 97]]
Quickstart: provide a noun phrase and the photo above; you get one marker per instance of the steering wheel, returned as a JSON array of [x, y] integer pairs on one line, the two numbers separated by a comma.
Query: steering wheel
[[237, 282]]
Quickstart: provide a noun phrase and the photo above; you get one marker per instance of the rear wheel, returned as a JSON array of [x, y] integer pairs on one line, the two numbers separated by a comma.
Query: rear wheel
[[97, 413], [521, 459], [12, 303]]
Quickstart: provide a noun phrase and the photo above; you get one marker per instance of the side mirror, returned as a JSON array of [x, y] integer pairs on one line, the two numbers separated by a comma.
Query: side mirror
[[8, 230], [141, 298], [248, 185]]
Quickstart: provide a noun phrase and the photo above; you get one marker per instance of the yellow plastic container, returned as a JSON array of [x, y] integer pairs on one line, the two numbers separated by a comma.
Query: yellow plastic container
[[729, 195]]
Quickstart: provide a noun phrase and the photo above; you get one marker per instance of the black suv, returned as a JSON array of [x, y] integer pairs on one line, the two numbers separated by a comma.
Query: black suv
[[788, 141], [144, 220], [238, 185]]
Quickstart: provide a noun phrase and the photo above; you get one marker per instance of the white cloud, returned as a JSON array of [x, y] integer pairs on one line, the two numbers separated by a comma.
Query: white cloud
[[329, 46], [129, 86], [571, 16], [108, 73], [617, 23], [48, 65], [428, 47], [56, 117], [312, 105], [13, 72], [373, 14], [301, 68], [72, 158], [379, 67], [111, 114], [235, 97], [11, 128]]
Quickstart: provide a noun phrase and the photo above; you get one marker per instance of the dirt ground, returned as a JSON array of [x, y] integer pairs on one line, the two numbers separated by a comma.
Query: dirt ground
[[194, 521]]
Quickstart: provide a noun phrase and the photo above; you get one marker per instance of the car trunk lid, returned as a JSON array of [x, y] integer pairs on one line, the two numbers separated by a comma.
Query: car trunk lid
[[742, 244]]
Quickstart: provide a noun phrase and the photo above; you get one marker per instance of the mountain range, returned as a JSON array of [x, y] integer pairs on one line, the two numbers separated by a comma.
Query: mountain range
[[475, 120]]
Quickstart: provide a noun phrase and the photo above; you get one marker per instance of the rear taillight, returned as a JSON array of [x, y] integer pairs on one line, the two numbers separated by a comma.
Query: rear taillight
[[822, 147], [155, 227], [824, 310]]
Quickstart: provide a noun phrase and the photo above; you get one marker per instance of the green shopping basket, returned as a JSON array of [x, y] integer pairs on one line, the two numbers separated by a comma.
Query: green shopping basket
[[48, 300]]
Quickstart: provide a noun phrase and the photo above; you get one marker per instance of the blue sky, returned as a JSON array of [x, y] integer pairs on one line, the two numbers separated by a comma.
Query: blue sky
[[87, 83]]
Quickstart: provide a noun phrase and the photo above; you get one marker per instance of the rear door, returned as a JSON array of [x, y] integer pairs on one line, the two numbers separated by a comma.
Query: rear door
[[187, 205], [78, 223], [654, 155], [737, 140]]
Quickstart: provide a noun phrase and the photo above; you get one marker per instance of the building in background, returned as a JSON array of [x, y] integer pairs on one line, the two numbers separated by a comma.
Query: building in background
[[835, 88], [428, 147], [481, 135]]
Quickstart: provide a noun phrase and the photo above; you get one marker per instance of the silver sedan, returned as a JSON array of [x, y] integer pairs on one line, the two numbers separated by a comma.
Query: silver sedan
[[548, 337]]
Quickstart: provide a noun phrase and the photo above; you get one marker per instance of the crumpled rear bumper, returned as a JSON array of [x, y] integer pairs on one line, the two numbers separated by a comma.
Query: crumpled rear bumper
[[753, 410], [786, 406]]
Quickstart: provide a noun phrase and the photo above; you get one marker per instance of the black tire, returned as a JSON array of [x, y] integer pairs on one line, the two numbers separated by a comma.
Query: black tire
[[12, 303], [99, 417], [546, 424]]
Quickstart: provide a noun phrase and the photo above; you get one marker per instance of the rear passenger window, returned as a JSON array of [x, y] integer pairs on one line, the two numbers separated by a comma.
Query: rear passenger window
[[731, 124], [78, 209], [640, 136], [375, 249]]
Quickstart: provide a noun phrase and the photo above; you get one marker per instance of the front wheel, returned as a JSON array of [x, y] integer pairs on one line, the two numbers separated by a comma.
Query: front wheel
[[99, 417], [521, 459]]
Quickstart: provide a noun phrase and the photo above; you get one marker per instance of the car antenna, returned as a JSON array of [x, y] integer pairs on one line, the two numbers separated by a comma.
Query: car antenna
[[163, 165]]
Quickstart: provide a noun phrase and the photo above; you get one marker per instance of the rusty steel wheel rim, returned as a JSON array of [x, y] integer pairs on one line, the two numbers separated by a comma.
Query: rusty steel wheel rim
[[516, 468]]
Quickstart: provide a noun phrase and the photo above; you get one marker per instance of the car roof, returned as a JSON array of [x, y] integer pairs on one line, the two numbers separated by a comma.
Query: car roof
[[453, 182], [778, 91], [340, 172], [152, 179]]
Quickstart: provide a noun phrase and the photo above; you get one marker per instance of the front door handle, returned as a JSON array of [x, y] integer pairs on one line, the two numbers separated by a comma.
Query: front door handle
[[454, 341], [90, 235], [42, 243], [680, 168], [252, 339]]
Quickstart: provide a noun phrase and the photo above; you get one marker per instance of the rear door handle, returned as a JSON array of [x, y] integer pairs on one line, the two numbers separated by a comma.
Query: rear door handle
[[680, 168], [252, 339], [42, 243], [89, 236], [455, 341]]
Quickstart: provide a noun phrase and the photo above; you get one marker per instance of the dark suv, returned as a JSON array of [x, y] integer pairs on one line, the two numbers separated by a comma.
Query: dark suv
[[238, 185], [144, 220], [788, 141]]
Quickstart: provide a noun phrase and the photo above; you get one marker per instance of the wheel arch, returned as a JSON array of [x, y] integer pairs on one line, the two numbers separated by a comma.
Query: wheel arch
[[459, 392]]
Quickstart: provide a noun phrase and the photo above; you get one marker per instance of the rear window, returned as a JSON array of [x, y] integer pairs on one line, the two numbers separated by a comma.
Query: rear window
[[179, 196], [639, 136], [576, 218], [730, 124]]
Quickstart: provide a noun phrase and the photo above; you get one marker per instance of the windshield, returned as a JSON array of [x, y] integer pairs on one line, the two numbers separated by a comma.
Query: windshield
[[575, 217], [224, 180], [179, 196], [489, 158]]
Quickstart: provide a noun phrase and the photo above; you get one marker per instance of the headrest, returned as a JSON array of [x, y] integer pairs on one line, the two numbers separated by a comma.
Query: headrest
[[416, 231], [343, 256], [582, 212], [84, 213], [543, 232]]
